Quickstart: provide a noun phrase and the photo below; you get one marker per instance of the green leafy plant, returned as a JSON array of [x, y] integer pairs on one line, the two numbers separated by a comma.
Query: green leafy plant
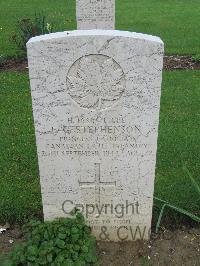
[[63, 242], [28, 28], [178, 209], [2, 60], [196, 58]]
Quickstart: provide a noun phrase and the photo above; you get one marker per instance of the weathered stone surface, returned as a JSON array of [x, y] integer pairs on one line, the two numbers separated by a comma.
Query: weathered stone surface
[[95, 14], [96, 99]]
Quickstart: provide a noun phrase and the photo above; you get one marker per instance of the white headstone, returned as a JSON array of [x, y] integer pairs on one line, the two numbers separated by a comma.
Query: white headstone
[[95, 14], [96, 101]]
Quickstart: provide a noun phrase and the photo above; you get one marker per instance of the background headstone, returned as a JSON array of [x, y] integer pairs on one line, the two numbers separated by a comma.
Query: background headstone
[[96, 102], [95, 14]]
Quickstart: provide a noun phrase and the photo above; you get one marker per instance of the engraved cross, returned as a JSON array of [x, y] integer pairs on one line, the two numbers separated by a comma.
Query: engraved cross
[[97, 183]]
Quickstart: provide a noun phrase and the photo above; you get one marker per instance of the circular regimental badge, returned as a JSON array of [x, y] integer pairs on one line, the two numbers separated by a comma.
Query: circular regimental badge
[[95, 82]]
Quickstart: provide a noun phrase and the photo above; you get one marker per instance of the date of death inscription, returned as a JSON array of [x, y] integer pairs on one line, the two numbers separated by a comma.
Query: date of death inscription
[[92, 140]]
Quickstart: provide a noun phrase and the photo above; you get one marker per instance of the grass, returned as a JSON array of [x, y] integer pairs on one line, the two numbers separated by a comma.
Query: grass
[[178, 144], [19, 182], [179, 140], [175, 21]]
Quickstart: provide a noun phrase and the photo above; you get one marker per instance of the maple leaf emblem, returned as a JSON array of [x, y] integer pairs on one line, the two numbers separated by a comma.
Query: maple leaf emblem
[[95, 81]]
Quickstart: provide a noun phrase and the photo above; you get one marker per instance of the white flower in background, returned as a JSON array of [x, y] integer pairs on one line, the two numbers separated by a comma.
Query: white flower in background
[[49, 27]]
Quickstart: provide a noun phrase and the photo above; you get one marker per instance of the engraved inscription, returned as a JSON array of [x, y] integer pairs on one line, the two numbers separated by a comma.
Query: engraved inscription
[[95, 81], [95, 14], [97, 9]]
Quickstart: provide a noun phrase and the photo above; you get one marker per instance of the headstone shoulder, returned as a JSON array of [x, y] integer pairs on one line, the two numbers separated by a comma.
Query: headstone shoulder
[[112, 33]]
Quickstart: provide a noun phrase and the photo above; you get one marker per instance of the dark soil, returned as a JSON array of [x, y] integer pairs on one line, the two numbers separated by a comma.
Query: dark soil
[[176, 62], [172, 62], [9, 238], [170, 248], [17, 65]]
